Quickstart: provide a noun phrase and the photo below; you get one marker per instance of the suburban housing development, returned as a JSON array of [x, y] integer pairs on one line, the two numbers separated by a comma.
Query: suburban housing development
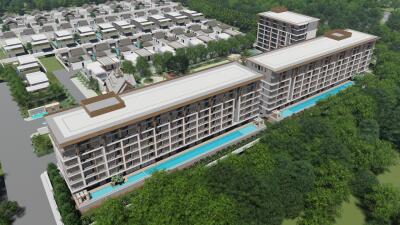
[[127, 129], [92, 39]]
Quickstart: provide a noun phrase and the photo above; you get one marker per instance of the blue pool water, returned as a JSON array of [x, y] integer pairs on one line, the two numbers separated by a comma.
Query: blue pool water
[[178, 160], [39, 115], [312, 101]]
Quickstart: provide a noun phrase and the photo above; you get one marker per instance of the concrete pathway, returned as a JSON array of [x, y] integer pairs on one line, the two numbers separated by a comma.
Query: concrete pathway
[[50, 196], [21, 166], [65, 78]]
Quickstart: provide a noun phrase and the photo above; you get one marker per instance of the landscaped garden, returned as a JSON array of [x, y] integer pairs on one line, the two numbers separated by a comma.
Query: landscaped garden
[[42, 144], [27, 100]]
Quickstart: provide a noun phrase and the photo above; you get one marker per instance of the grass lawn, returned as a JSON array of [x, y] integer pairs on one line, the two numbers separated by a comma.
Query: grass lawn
[[289, 222], [351, 213], [42, 145], [51, 64], [392, 176]]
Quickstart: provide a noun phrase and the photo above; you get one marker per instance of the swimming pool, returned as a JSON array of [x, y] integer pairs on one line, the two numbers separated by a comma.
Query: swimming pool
[[39, 115], [176, 161], [312, 101]]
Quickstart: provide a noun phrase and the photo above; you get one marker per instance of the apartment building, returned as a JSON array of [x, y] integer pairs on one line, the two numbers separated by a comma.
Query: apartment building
[[119, 134], [294, 73], [279, 28]]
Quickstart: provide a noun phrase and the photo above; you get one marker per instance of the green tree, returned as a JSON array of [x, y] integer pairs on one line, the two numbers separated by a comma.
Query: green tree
[[9, 210], [383, 204], [111, 212], [128, 67], [143, 67]]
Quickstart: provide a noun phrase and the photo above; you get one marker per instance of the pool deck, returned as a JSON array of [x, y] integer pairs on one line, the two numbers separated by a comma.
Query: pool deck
[[95, 202]]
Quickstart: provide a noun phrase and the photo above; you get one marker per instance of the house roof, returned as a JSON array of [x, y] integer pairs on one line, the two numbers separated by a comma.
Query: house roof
[[36, 78]]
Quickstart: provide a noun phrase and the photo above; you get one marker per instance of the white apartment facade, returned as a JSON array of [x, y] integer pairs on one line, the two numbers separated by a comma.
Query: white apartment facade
[[279, 28], [117, 135], [294, 73]]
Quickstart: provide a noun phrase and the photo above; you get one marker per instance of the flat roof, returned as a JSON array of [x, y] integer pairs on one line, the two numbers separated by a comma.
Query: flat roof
[[96, 68], [12, 41], [38, 37], [63, 33], [84, 29], [304, 52], [105, 26], [290, 17], [26, 59], [121, 23], [74, 125], [36, 78], [37, 87], [28, 66]]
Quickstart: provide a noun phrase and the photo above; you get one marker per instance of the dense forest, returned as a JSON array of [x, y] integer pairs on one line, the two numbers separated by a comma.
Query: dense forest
[[306, 166]]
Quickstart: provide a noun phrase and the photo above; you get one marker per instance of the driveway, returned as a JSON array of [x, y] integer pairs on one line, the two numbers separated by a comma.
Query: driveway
[[20, 164], [65, 78]]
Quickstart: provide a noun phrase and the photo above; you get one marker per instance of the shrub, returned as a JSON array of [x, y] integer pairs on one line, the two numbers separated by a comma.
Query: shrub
[[66, 206]]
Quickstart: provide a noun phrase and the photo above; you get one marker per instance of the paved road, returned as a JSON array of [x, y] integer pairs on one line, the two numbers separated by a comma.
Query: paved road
[[21, 165], [65, 78]]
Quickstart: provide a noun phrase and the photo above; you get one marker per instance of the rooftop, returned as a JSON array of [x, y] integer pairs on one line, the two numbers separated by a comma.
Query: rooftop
[[105, 26], [36, 78], [63, 33], [122, 23], [26, 59], [12, 41], [290, 17], [85, 29], [70, 126], [307, 51], [38, 37]]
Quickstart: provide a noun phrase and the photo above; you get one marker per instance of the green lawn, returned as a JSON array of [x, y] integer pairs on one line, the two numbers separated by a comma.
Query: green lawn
[[351, 213], [392, 176], [289, 222], [51, 64]]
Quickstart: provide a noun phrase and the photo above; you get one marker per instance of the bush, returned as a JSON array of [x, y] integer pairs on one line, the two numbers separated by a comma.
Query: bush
[[69, 214], [42, 144], [8, 211]]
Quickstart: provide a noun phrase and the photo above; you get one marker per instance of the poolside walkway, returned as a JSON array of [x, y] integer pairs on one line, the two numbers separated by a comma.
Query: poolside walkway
[[178, 161]]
